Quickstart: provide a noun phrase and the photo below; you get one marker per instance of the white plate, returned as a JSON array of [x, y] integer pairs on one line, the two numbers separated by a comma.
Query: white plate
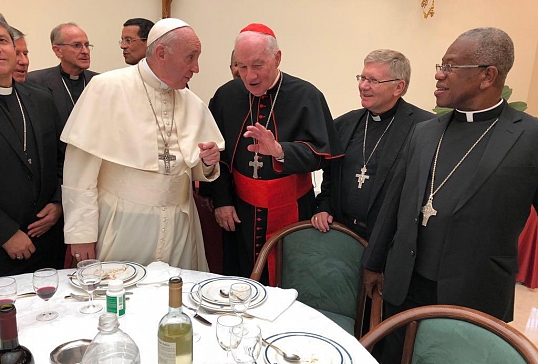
[[312, 348], [139, 272], [208, 286], [117, 270]]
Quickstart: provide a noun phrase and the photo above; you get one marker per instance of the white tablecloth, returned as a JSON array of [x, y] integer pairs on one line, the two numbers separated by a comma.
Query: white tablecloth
[[145, 308]]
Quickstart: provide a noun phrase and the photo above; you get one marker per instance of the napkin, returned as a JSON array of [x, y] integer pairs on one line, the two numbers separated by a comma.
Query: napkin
[[159, 273], [278, 300]]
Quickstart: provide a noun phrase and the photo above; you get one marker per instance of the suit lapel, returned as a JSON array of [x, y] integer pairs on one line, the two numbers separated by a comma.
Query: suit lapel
[[503, 137]]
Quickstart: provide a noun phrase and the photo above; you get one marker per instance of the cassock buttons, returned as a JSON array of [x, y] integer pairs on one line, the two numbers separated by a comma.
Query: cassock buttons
[[30, 176], [412, 253]]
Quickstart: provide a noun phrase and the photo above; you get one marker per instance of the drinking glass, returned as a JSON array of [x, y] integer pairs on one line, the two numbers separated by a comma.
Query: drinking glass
[[192, 299], [8, 290], [240, 296], [45, 283], [250, 344], [89, 275], [225, 326]]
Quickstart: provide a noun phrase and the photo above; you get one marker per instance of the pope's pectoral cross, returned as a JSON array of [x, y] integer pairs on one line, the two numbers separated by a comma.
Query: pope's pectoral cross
[[167, 157], [256, 164], [428, 211], [362, 177]]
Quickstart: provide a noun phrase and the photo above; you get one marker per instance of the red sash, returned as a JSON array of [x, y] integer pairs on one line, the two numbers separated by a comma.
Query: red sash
[[279, 197]]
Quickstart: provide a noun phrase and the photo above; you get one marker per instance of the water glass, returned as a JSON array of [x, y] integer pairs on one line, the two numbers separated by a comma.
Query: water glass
[[89, 275], [8, 290], [224, 329], [240, 296], [250, 344], [192, 299]]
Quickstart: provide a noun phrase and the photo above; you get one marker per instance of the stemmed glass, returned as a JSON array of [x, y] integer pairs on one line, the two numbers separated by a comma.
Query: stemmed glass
[[240, 296], [45, 283], [8, 290], [225, 326], [250, 344], [89, 275], [192, 299]]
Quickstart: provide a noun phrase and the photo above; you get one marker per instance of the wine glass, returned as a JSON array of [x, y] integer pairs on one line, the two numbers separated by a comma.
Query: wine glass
[[225, 327], [250, 344], [89, 275], [192, 299], [240, 296], [8, 290], [45, 283]]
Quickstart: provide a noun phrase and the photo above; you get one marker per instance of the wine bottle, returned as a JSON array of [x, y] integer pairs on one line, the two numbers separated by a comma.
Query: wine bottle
[[10, 350], [175, 329]]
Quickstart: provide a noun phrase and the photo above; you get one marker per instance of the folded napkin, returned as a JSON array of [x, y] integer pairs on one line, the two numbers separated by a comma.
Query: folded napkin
[[278, 300], [158, 273]]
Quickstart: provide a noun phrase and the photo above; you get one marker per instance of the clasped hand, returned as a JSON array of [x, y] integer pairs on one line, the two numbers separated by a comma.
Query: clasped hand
[[209, 153]]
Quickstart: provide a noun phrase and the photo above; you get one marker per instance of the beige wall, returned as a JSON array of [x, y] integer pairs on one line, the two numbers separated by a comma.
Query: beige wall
[[323, 42]]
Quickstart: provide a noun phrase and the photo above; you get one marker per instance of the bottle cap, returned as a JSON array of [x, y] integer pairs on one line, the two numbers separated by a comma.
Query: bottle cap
[[115, 285], [108, 322]]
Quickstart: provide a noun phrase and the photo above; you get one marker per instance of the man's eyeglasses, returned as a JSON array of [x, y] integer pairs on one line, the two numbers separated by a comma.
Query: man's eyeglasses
[[373, 81], [78, 46], [447, 68], [130, 41]]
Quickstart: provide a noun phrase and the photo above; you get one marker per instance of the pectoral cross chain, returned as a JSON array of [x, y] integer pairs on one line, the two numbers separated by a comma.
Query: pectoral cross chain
[[362, 177], [167, 157], [256, 164], [428, 211]]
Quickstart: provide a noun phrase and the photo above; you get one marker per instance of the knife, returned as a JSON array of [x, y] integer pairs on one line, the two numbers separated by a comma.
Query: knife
[[27, 294], [202, 320]]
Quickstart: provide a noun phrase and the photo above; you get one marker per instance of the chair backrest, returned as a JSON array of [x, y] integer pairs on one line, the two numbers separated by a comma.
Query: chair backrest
[[324, 268], [452, 334]]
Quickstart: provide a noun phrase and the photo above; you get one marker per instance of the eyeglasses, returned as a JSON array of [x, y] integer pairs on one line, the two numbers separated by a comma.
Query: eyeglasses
[[130, 41], [78, 46], [447, 68], [373, 81]]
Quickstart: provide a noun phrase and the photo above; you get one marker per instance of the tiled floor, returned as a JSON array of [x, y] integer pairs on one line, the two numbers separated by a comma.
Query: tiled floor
[[526, 312]]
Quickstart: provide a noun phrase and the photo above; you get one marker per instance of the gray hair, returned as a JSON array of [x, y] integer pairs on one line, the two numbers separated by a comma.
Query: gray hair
[[493, 47], [399, 65], [271, 42], [17, 34], [56, 33], [5, 25]]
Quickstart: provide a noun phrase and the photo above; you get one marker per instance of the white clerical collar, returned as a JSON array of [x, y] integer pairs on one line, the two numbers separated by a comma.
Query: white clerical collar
[[163, 86], [6, 91], [470, 114]]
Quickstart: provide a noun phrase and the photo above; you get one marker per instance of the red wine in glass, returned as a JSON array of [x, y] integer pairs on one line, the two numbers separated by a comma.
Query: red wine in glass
[[45, 284], [46, 292]]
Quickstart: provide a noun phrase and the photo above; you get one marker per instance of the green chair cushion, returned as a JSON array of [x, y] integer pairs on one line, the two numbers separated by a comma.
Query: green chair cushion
[[324, 268], [347, 323], [450, 341]]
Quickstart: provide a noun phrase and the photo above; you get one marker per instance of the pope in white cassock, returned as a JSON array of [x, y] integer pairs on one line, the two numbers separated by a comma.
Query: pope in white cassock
[[137, 138]]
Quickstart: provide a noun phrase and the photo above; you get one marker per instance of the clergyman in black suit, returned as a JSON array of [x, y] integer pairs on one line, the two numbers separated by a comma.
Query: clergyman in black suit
[[67, 80], [373, 138], [31, 169], [448, 230]]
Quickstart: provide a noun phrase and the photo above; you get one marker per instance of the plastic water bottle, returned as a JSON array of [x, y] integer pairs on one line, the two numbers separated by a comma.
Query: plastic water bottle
[[111, 345]]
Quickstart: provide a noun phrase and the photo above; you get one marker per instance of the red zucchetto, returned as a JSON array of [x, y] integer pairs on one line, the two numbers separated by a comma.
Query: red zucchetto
[[259, 28]]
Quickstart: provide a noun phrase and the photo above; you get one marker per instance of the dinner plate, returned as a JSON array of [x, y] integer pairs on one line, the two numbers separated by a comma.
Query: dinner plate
[[210, 290], [312, 348], [131, 275]]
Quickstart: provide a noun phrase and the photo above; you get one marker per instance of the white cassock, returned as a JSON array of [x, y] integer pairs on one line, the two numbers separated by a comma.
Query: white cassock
[[115, 191]]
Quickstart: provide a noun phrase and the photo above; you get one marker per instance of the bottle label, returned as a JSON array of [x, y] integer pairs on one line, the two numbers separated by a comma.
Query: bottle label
[[167, 352], [116, 304]]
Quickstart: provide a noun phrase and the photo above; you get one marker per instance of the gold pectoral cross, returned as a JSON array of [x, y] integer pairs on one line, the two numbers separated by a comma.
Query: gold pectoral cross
[[428, 211], [362, 177], [167, 157], [256, 165]]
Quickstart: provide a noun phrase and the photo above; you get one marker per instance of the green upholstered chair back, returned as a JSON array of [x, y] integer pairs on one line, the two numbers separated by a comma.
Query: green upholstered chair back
[[450, 341], [324, 268]]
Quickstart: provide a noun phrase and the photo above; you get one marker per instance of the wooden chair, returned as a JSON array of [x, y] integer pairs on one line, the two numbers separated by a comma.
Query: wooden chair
[[325, 269], [453, 334]]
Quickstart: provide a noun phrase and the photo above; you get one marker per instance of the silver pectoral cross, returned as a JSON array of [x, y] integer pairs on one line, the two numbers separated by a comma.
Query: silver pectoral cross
[[428, 211], [362, 177], [167, 157], [256, 165]]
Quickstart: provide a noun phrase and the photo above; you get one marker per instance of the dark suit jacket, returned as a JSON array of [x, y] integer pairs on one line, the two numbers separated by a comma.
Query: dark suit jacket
[[18, 202], [479, 259], [51, 78], [330, 199]]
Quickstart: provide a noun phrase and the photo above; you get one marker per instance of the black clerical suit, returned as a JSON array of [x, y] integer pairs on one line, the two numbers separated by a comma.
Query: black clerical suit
[[27, 187], [354, 207], [51, 78], [477, 261]]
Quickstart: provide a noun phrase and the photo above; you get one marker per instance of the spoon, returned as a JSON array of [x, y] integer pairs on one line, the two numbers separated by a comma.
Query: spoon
[[224, 292], [291, 358]]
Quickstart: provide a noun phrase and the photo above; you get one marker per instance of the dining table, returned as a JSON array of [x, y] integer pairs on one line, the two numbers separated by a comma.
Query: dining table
[[148, 303]]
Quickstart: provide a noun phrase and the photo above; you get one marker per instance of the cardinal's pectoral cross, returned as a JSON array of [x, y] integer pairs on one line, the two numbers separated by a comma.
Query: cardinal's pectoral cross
[[428, 211], [256, 165], [361, 178], [167, 157]]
